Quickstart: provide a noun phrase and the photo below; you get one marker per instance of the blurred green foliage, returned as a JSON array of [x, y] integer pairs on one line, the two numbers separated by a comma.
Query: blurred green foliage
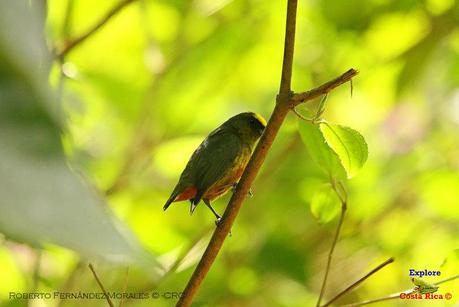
[[133, 100]]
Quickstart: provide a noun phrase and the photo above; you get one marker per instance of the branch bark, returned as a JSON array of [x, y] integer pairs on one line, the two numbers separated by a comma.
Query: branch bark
[[273, 126], [285, 101], [69, 45], [324, 88]]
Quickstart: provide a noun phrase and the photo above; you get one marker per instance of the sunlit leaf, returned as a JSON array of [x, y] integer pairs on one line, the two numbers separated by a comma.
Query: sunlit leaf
[[349, 145], [319, 151], [325, 204]]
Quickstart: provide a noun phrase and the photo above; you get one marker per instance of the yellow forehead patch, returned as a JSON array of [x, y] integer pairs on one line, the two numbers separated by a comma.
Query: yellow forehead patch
[[260, 119]]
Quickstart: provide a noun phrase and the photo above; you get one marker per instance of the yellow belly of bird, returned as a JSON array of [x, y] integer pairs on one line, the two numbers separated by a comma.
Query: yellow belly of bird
[[223, 185]]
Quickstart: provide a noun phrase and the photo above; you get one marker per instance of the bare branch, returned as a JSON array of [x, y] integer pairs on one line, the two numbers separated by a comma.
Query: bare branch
[[273, 126], [324, 88], [358, 282], [332, 249], [109, 301], [69, 45], [289, 47], [446, 280]]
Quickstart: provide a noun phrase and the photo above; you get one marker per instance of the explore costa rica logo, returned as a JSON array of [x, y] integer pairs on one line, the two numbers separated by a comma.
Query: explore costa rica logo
[[426, 296], [424, 290]]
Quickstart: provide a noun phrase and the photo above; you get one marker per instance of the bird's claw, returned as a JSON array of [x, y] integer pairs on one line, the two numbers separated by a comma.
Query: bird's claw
[[233, 189]]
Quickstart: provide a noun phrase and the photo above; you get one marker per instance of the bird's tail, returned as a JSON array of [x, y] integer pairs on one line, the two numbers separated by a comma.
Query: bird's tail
[[193, 206], [195, 201], [170, 200]]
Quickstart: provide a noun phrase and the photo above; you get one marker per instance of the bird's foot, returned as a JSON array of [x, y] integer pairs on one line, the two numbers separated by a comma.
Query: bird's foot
[[233, 189]]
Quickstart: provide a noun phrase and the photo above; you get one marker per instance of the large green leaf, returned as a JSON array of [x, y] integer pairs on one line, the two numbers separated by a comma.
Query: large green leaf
[[319, 151], [349, 145], [42, 200]]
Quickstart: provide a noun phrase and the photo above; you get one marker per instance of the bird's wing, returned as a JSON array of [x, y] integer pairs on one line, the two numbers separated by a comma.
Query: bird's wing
[[213, 159], [198, 165]]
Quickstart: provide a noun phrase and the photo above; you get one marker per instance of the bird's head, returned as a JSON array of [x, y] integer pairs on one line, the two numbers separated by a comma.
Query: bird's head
[[249, 125]]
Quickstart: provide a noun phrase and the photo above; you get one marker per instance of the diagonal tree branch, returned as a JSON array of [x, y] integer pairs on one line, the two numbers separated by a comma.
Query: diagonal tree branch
[[358, 282], [273, 126], [69, 45], [283, 106]]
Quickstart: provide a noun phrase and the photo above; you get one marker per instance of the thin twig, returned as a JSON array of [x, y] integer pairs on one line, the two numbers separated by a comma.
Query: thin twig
[[397, 295], [446, 280], [69, 45], [301, 116], [358, 282], [332, 249], [109, 301], [324, 88]]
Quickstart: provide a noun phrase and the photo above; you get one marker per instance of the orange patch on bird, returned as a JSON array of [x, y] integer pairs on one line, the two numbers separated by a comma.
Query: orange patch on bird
[[221, 188], [188, 193], [216, 192]]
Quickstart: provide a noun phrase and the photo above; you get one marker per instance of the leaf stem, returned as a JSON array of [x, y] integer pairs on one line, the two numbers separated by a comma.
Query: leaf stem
[[324, 88]]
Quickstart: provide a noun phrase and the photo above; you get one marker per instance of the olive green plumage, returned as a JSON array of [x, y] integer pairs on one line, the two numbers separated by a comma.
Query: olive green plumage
[[217, 164]]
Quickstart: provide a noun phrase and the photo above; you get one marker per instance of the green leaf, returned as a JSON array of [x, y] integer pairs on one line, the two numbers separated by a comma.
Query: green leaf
[[319, 151], [325, 204], [42, 200], [349, 145]]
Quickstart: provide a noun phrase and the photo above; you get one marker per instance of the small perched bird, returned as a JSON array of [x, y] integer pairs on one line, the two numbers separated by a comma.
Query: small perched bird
[[218, 163]]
